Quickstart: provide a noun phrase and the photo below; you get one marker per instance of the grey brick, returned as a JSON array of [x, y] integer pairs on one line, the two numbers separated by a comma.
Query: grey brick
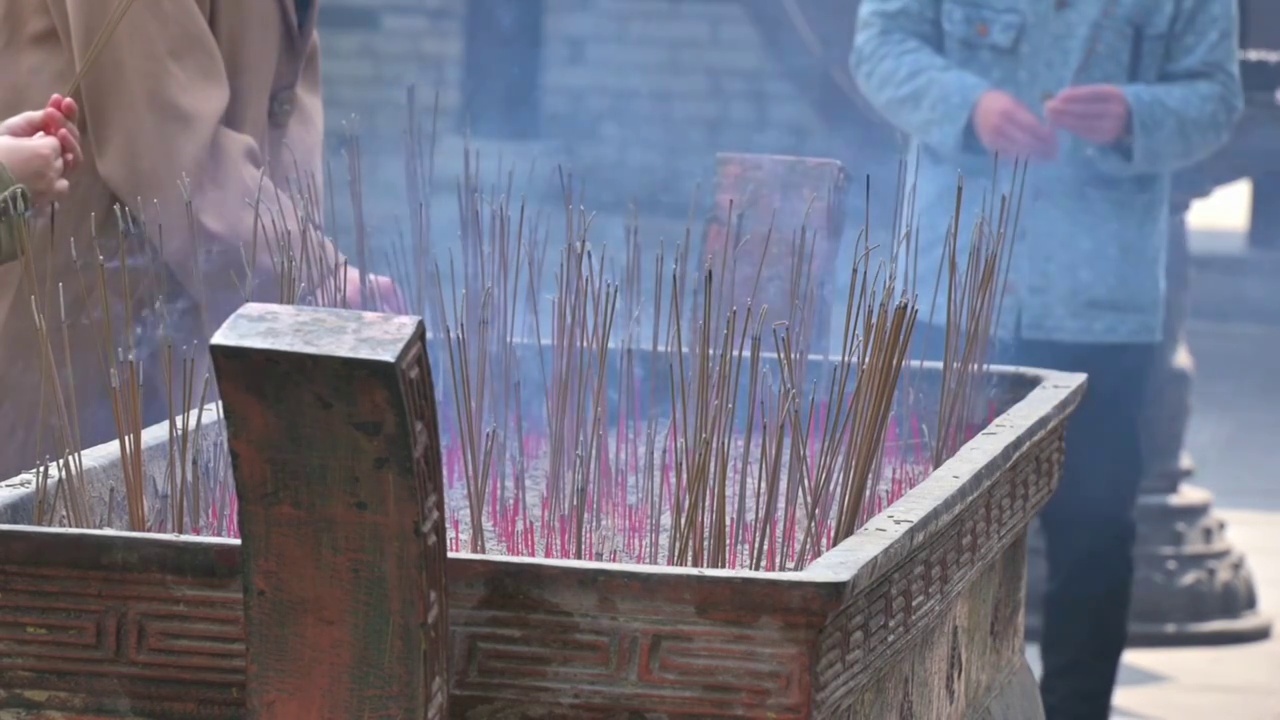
[[642, 93]]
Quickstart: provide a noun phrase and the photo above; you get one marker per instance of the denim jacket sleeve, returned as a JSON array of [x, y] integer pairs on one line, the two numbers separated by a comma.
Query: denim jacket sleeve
[[1192, 108], [898, 63]]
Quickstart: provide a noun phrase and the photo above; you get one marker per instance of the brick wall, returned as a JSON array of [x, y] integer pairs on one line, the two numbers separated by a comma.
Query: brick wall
[[371, 50], [636, 96], [647, 91]]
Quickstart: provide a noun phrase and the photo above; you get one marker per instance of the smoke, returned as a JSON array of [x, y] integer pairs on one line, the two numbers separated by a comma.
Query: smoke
[[634, 98]]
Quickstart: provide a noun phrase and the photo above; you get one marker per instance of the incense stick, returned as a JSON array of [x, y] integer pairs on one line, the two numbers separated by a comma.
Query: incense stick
[[99, 42], [569, 433]]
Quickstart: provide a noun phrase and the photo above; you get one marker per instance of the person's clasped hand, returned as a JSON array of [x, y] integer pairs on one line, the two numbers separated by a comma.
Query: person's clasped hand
[[1007, 127], [1098, 114], [36, 163], [40, 147], [57, 119]]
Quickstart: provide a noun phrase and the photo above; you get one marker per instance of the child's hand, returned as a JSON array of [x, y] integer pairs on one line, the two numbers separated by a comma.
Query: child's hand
[[57, 119], [61, 115], [36, 163]]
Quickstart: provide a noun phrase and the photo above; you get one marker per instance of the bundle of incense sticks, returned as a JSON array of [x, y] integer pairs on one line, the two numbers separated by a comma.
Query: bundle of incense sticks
[[99, 42], [610, 401], [663, 426]]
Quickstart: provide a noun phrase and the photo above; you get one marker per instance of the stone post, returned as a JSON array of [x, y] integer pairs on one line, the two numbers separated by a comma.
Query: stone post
[[1191, 586], [331, 423], [762, 204]]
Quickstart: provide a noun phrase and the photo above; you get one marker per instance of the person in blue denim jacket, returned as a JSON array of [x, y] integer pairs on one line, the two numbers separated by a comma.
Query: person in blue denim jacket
[[1105, 98]]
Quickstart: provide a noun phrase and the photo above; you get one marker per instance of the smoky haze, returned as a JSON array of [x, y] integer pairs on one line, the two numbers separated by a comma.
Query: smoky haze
[[633, 99]]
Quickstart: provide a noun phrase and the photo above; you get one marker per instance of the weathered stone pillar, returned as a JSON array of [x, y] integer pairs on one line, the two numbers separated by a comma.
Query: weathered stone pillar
[[331, 423], [1190, 586], [762, 203]]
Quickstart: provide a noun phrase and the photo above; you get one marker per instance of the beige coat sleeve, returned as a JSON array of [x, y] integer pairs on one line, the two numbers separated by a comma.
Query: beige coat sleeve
[[153, 104]]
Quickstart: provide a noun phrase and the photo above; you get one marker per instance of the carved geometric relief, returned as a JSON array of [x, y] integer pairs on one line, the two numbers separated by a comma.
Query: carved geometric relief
[[865, 633], [907, 704], [576, 653], [192, 637], [1004, 630], [658, 665], [30, 625], [745, 665], [120, 626], [955, 665], [419, 389]]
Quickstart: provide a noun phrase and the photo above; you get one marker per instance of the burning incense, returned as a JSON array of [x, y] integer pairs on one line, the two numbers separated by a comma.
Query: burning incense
[[613, 406]]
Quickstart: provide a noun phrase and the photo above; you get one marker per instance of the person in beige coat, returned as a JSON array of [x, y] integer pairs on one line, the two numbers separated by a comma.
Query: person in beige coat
[[215, 102]]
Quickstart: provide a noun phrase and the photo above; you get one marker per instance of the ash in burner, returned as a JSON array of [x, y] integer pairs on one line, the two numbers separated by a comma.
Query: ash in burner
[[639, 502]]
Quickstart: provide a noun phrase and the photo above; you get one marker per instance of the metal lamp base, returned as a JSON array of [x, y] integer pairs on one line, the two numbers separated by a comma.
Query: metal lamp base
[[1191, 586]]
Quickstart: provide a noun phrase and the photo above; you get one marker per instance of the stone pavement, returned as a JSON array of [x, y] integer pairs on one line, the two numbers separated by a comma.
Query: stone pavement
[[1233, 682], [1234, 428]]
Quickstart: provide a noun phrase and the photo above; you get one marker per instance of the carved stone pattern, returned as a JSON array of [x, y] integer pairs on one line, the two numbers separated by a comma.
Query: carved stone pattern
[[149, 632], [909, 598], [955, 665], [1005, 628], [651, 665], [428, 469], [907, 706]]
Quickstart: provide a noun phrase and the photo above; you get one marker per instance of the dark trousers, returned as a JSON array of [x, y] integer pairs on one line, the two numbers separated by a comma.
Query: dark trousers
[[1089, 522]]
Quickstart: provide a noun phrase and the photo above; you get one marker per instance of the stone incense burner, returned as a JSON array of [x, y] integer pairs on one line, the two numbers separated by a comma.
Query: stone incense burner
[[917, 615]]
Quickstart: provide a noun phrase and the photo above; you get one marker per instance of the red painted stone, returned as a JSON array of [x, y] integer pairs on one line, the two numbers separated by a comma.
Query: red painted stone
[[803, 200], [335, 450]]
